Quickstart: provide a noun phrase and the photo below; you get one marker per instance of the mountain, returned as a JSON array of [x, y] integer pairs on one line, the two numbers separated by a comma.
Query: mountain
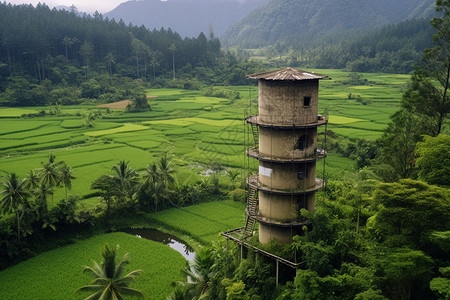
[[308, 22], [186, 17]]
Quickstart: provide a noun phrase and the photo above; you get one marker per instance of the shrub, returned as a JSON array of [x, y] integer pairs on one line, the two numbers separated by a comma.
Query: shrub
[[238, 195]]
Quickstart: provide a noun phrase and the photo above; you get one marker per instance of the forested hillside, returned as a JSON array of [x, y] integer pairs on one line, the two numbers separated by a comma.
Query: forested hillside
[[187, 17], [393, 49], [311, 22], [50, 56]]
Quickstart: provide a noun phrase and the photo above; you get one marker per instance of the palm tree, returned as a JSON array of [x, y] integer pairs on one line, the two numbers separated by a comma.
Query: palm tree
[[126, 178], [41, 194], [157, 192], [200, 276], [66, 176], [49, 173], [108, 281], [14, 197], [166, 171], [149, 175], [33, 179]]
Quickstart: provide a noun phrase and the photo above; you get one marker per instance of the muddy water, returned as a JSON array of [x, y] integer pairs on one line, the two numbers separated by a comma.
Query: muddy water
[[165, 238]]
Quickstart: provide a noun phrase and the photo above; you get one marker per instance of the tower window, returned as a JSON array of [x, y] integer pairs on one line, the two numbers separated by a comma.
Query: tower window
[[302, 142], [302, 172], [307, 101]]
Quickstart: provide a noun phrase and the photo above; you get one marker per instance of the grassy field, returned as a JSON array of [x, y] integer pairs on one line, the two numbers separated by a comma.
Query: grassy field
[[58, 273], [192, 129]]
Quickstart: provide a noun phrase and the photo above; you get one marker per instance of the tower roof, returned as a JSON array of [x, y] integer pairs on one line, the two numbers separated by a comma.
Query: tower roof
[[285, 74]]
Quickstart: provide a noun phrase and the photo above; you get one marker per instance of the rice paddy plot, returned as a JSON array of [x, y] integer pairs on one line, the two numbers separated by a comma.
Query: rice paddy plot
[[71, 123], [16, 112], [12, 126], [204, 221], [354, 133], [342, 120], [127, 127]]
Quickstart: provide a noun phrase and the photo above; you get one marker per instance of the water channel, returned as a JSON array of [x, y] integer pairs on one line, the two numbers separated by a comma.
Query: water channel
[[164, 238]]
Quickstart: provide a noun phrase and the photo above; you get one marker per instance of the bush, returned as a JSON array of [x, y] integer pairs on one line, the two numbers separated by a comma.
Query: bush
[[238, 195]]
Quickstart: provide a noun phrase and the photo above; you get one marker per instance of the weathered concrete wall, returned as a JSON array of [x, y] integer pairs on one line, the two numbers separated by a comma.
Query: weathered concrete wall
[[283, 143], [282, 235], [278, 207], [281, 102], [284, 207], [285, 176]]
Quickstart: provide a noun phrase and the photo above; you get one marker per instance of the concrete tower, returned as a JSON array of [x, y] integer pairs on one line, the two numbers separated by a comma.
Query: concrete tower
[[285, 132]]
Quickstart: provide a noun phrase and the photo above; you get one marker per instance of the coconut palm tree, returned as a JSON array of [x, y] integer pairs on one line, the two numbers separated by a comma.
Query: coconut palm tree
[[166, 171], [109, 282], [41, 194], [157, 193], [33, 179], [14, 197], [66, 176], [49, 173], [126, 178], [200, 273]]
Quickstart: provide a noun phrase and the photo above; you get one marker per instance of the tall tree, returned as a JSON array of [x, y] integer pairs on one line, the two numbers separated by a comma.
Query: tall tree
[[50, 173], [66, 177], [172, 49], [14, 197], [433, 160], [109, 281], [126, 178], [397, 145], [429, 94]]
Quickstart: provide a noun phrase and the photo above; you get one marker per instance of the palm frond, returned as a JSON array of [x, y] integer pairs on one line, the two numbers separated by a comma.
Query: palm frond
[[132, 292]]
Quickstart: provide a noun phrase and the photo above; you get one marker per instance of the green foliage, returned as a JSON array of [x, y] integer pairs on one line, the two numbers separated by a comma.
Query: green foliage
[[441, 285], [410, 210], [406, 271], [398, 143], [239, 195], [433, 160]]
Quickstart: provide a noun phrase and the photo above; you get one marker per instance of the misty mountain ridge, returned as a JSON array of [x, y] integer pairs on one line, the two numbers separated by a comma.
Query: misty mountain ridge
[[307, 22], [186, 17]]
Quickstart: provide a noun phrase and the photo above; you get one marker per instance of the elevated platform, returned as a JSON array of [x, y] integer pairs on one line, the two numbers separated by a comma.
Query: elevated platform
[[236, 236], [253, 182], [318, 154], [256, 120]]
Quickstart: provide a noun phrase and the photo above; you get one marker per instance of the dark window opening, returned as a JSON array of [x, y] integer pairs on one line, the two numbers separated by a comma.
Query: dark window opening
[[307, 101], [302, 172], [302, 142], [301, 202]]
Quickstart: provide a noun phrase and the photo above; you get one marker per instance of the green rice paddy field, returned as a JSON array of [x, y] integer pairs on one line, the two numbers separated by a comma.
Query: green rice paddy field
[[193, 129], [57, 274]]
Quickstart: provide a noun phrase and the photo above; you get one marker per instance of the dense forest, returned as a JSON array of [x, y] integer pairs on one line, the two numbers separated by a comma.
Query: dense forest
[[51, 56], [391, 49]]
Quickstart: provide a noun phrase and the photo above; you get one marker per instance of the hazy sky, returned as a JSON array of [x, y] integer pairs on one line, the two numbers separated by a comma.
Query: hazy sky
[[88, 6]]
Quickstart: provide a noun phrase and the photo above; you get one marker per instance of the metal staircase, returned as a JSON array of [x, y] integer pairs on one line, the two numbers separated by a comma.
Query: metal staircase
[[251, 210]]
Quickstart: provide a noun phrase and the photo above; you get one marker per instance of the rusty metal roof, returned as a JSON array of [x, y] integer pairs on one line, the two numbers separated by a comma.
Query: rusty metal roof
[[285, 74]]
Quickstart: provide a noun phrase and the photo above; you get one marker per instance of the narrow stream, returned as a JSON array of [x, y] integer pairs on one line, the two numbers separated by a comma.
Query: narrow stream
[[164, 238]]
